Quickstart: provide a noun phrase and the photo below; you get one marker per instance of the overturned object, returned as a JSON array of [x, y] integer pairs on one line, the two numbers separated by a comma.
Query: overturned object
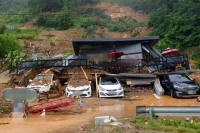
[[100, 120]]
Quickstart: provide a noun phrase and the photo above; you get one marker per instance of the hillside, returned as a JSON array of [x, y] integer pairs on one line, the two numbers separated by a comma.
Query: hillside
[[63, 39]]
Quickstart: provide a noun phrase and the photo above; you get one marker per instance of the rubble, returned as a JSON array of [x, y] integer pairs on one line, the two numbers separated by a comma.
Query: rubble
[[5, 106], [100, 120]]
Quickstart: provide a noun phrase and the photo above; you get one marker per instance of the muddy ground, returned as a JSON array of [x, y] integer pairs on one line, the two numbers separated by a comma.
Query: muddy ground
[[74, 119]]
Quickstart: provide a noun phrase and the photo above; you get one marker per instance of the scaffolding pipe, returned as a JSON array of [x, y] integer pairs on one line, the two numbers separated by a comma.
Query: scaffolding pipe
[[167, 111]]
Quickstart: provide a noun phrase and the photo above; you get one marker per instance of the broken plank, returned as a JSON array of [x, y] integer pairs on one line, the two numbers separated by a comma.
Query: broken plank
[[84, 73]]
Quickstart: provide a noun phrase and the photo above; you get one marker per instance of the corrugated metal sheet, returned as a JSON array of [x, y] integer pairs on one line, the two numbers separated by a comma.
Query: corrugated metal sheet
[[139, 81], [128, 75]]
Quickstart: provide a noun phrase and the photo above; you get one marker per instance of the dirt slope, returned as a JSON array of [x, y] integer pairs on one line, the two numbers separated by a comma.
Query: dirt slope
[[63, 39]]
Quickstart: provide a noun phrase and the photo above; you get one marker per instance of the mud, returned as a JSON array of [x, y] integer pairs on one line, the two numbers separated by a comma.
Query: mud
[[4, 78], [78, 79], [72, 119]]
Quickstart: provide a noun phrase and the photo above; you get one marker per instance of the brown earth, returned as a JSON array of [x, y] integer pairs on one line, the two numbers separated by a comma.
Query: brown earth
[[63, 39], [63, 42]]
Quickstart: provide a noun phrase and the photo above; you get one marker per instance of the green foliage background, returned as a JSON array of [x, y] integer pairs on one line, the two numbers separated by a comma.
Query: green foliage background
[[7, 44], [176, 22]]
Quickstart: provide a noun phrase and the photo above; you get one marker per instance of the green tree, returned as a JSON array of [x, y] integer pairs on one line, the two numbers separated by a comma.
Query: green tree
[[38, 6], [2, 29], [12, 60], [177, 26], [8, 44], [64, 20]]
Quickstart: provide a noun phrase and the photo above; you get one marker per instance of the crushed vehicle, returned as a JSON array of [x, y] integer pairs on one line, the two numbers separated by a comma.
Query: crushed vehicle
[[110, 87], [176, 85], [42, 83], [79, 87]]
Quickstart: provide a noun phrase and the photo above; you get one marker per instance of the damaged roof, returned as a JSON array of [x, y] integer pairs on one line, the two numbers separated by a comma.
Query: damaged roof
[[84, 43]]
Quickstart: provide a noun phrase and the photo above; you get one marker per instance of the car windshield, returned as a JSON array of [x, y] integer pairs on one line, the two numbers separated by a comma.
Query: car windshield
[[108, 81], [41, 77], [179, 78]]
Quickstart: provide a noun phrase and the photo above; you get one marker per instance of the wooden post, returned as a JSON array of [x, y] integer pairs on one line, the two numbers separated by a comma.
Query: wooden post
[[97, 88]]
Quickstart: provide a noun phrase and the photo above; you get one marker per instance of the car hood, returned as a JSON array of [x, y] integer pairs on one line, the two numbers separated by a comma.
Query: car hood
[[78, 88], [110, 87], [36, 85], [187, 84]]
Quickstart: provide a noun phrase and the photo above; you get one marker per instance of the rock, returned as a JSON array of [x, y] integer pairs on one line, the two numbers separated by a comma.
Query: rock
[[115, 123], [187, 118]]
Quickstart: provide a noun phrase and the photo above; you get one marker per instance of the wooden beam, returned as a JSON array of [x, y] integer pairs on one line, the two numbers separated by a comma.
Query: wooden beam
[[47, 71], [97, 88], [84, 73]]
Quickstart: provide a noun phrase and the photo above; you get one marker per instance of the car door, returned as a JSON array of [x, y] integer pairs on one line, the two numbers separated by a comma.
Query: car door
[[166, 82]]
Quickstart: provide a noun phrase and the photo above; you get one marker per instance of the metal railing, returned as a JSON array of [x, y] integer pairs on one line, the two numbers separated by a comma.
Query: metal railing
[[167, 111], [161, 62]]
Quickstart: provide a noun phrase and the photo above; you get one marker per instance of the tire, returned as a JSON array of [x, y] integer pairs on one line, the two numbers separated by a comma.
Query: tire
[[172, 94]]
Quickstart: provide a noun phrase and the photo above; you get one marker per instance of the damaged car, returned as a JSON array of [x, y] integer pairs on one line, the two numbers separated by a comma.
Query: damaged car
[[176, 85], [42, 83]]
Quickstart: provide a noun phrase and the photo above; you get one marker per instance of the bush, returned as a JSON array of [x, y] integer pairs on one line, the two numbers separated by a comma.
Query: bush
[[62, 21], [194, 56], [22, 34], [45, 20], [117, 26], [197, 63], [2, 29], [8, 44], [12, 59]]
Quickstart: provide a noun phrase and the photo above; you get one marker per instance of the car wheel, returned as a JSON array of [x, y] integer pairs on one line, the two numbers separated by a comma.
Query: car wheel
[[172, 94]]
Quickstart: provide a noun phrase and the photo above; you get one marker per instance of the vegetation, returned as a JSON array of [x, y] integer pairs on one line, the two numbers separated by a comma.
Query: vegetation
[[176, 22], [12, 60], [8, 44], [21, 33], [177, 26], [141, 123], [65, 52], [169, 125]]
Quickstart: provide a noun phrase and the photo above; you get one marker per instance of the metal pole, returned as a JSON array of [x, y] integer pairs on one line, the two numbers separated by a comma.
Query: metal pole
[[168, 110]]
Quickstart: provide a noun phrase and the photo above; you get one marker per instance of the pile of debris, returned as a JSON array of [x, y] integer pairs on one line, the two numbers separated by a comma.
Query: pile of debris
[[5, 107]]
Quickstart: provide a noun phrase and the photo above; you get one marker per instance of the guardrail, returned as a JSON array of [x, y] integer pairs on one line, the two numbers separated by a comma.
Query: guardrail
[[167, 111]]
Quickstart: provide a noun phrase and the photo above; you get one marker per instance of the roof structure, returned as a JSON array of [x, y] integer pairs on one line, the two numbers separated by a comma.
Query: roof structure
[[84, 44]]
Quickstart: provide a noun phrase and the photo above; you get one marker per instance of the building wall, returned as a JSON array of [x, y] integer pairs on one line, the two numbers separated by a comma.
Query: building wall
[[131, 51], [126, 48]]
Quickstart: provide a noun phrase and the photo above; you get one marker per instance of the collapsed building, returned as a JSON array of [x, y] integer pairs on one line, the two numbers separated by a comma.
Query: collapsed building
[[100, 56]]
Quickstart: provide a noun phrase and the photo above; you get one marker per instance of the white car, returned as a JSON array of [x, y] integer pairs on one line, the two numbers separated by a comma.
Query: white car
[[110, 87], [83, 91], [42, 83]]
